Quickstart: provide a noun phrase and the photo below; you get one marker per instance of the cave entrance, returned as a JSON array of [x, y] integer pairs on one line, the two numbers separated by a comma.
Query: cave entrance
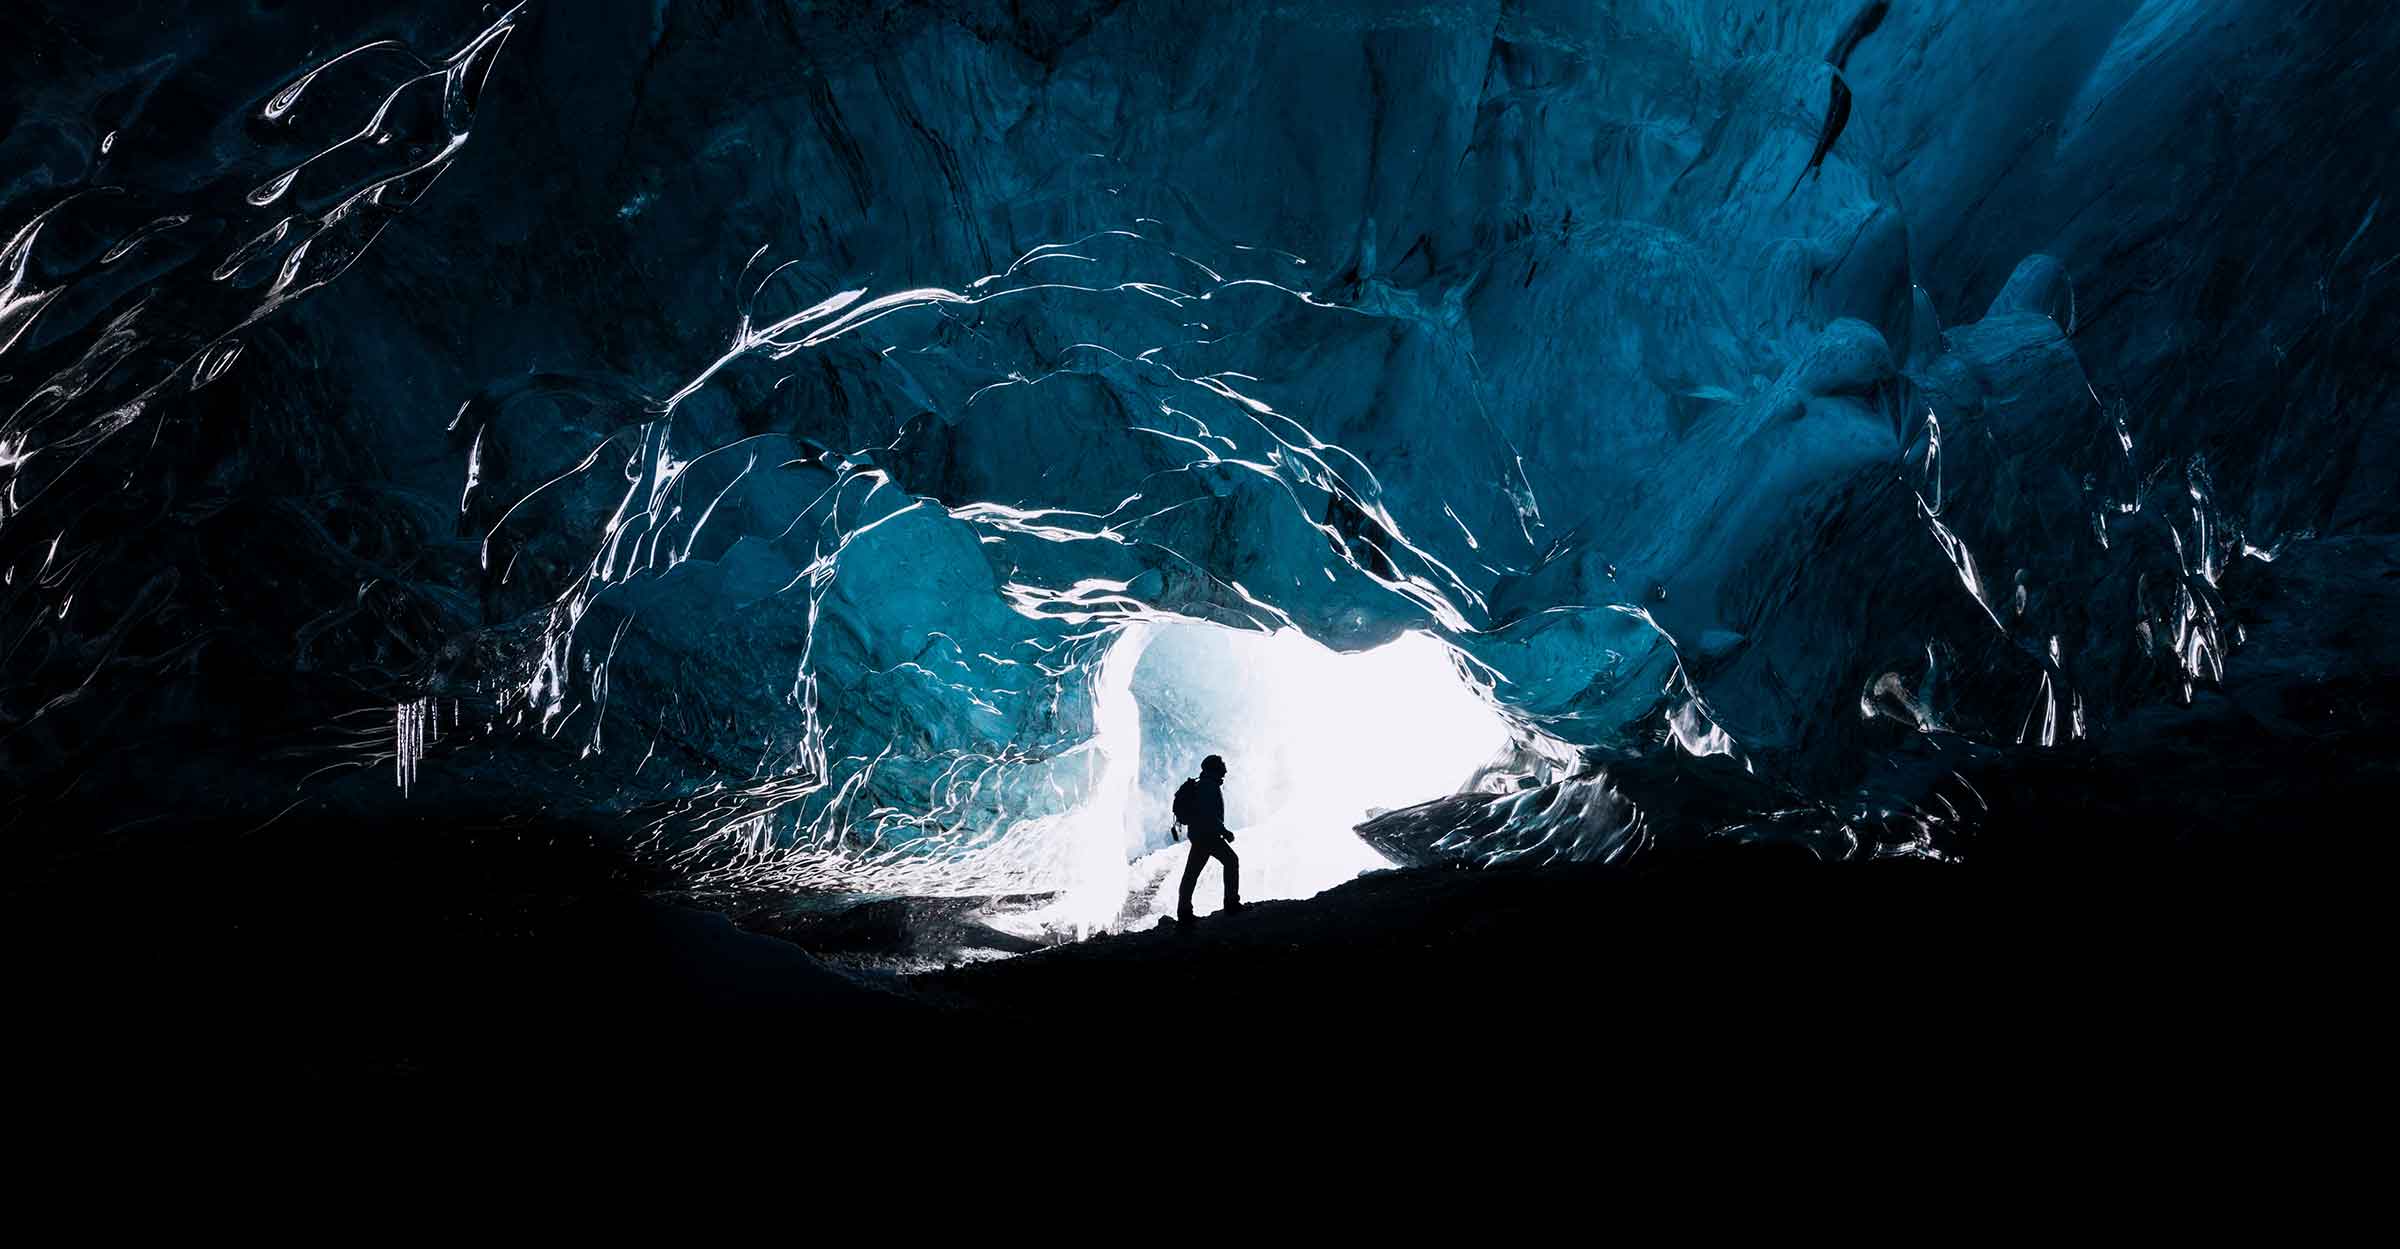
[[1316, 741]]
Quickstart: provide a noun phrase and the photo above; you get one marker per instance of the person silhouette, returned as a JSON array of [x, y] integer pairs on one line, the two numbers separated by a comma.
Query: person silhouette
[[1200, 809]]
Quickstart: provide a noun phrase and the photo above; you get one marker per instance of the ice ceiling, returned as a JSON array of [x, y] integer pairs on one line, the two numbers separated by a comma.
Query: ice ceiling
[[813, 437]]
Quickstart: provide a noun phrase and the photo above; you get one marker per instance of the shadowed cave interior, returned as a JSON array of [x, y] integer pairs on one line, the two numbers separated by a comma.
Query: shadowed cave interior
[[647, 511]]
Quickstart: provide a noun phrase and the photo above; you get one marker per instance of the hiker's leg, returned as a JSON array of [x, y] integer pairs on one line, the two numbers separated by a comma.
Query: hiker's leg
[[1191, 877], [1233, 873]]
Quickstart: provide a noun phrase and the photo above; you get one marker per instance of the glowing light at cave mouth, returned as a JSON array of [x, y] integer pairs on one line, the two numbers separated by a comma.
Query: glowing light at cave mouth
[[1317, 742]]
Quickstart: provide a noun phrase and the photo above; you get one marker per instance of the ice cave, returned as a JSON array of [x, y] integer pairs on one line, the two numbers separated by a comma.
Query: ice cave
[[635, 508]]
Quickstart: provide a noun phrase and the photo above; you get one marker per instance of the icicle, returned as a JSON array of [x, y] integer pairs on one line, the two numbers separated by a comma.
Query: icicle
[[415, 725]]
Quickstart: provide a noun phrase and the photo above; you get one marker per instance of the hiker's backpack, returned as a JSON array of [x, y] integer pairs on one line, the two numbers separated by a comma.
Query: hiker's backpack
[[1184, 794]]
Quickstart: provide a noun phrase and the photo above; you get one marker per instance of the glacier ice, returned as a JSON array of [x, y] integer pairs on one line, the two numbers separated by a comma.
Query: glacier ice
[[778, 436]]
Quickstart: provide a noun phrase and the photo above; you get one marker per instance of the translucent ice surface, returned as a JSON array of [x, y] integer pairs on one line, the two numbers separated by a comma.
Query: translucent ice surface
[[876, 456]]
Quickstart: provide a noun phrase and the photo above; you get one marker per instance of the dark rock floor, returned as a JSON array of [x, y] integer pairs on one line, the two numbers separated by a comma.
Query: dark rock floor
[[2120, 910]]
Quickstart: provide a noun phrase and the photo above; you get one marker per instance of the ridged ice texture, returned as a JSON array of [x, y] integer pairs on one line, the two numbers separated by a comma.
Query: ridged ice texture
[[760, 435]]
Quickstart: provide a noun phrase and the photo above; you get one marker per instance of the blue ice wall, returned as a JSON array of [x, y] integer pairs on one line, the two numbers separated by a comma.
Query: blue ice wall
[[745, 424]]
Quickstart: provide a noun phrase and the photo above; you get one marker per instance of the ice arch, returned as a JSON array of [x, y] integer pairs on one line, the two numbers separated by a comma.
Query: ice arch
[[1719, 383]]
